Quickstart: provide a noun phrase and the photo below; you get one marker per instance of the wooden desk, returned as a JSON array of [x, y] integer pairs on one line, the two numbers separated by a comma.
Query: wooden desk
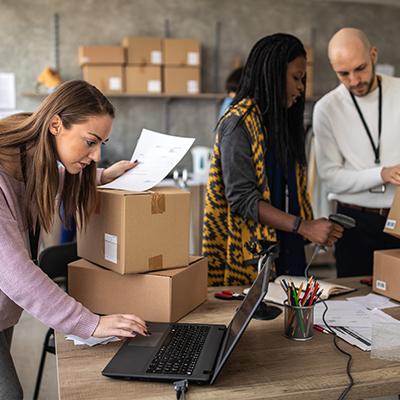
[[264, 365]]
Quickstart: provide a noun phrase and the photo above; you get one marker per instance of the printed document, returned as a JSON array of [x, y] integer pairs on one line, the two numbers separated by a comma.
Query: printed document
[[157, 154]]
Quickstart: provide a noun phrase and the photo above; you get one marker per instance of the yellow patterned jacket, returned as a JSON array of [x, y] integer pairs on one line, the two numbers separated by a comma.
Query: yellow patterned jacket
[[224, 232]]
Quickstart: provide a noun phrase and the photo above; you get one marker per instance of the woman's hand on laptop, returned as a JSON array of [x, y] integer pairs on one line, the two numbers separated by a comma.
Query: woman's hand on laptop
[[121, 325]]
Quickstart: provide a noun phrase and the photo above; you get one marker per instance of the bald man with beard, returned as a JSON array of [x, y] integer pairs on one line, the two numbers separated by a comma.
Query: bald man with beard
[[357, 134]]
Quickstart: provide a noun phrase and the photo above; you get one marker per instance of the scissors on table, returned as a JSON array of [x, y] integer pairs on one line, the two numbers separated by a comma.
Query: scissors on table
[[228, 295]]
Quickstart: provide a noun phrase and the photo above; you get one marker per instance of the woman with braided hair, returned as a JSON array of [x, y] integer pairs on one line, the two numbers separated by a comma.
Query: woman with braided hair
[[257, 185]]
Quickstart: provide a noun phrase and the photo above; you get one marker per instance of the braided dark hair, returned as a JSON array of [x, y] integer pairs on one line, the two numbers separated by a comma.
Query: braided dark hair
[[264, 80]]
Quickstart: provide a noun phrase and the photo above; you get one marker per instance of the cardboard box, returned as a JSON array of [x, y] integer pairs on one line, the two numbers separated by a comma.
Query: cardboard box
[[386, 275], [182, 52], [163, 296], [132, 232], [392, 225], [95, 55], [143, 50], [143, 79], [182, 80], [107, 78]]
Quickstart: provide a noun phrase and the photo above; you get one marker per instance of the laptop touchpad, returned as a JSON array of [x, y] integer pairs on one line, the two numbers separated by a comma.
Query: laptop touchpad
[[147, 341]]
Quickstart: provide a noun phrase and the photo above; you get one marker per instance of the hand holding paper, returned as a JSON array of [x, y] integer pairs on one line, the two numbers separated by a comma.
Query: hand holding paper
[[157, 155]]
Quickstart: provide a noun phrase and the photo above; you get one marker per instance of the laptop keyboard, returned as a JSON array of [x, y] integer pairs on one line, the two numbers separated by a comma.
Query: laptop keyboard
[[180, 350]]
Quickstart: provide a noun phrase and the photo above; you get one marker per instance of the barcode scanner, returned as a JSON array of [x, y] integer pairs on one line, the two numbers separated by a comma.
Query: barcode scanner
[[343, 220]]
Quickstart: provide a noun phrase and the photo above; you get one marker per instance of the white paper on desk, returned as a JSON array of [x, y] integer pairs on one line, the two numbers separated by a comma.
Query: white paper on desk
[[91, 341], [342, 313], [373, 300], [7, 91], [157, 154]]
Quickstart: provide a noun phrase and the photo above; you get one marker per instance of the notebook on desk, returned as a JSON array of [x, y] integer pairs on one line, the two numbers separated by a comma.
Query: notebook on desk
[[145, 358]]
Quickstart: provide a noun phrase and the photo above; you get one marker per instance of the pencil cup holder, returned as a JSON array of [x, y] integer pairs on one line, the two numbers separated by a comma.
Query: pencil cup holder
[[299, 322]]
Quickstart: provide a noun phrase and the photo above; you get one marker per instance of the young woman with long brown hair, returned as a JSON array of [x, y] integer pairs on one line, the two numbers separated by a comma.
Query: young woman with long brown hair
[[69, 127]]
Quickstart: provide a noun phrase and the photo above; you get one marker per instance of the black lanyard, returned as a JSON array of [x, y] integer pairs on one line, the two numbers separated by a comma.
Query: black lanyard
[[33, 236], [375, 148]]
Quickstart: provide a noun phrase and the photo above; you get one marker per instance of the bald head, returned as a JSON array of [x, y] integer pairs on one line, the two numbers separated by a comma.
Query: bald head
[[348, 39], [353, 60]]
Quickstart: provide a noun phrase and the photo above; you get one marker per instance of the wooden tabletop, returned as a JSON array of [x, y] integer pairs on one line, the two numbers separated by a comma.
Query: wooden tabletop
[[264, 364]]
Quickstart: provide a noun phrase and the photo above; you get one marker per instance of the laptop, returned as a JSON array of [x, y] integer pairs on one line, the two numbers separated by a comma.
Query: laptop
[[145, 358]]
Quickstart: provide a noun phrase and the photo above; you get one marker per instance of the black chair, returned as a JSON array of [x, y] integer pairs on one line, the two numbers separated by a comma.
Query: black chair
[[54, 262]]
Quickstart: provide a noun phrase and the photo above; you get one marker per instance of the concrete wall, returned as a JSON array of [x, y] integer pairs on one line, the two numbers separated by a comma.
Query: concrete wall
[[27, 47]]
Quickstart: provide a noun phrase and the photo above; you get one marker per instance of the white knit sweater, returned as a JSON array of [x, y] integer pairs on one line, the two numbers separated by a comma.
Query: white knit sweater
[[345, 157]]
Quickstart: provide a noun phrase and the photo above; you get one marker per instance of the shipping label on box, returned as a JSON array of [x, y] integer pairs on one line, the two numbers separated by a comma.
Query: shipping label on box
[[182, 80], [142, 79], [182, 52], [162, 296], [95, 55], [386, 275], [107, 78], [133, 232], [392, 225], [143, 50]]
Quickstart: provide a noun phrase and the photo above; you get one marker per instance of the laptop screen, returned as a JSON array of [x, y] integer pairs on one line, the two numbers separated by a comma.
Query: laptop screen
[[243, 315]]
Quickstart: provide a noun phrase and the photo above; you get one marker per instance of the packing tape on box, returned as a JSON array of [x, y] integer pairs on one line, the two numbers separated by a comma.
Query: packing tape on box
[[157, 202], [385, 341], [156, 263]]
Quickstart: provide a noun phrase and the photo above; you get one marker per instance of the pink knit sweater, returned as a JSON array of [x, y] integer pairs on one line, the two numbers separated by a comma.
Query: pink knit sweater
[[23, 285]]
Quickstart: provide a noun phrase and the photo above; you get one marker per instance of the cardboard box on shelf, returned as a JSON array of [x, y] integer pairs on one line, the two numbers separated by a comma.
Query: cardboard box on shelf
[[107, 78], [143, 50], [392, 225], [182, 52], [143, 79], [182, 80], [95, 55], [132, 232], [163, 296], [386, 275]]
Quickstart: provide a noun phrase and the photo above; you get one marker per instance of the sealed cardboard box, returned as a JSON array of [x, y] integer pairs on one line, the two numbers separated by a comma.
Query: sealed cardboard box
[[392, 225], [386, 276], [182, 80], [142, 79], [95, 55], [107, 78], [163, 296], [182, 52], [143, 50], [132, 232]]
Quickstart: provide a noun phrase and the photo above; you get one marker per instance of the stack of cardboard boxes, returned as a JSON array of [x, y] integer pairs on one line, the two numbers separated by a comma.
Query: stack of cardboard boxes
[[386, 274], [135, 256], [103, 67], [144, 65], [182, 66]]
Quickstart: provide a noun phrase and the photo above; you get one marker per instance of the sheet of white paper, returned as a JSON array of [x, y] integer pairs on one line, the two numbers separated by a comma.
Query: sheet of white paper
[[91, 341], [157, 154], [7, 91], [373, 300], [342, 313]]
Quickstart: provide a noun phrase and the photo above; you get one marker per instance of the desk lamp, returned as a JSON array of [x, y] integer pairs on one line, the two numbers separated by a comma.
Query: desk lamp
[[269, 251]]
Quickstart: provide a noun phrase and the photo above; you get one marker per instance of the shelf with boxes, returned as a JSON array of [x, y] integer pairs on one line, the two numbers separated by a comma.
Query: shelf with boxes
[[144, 65]]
